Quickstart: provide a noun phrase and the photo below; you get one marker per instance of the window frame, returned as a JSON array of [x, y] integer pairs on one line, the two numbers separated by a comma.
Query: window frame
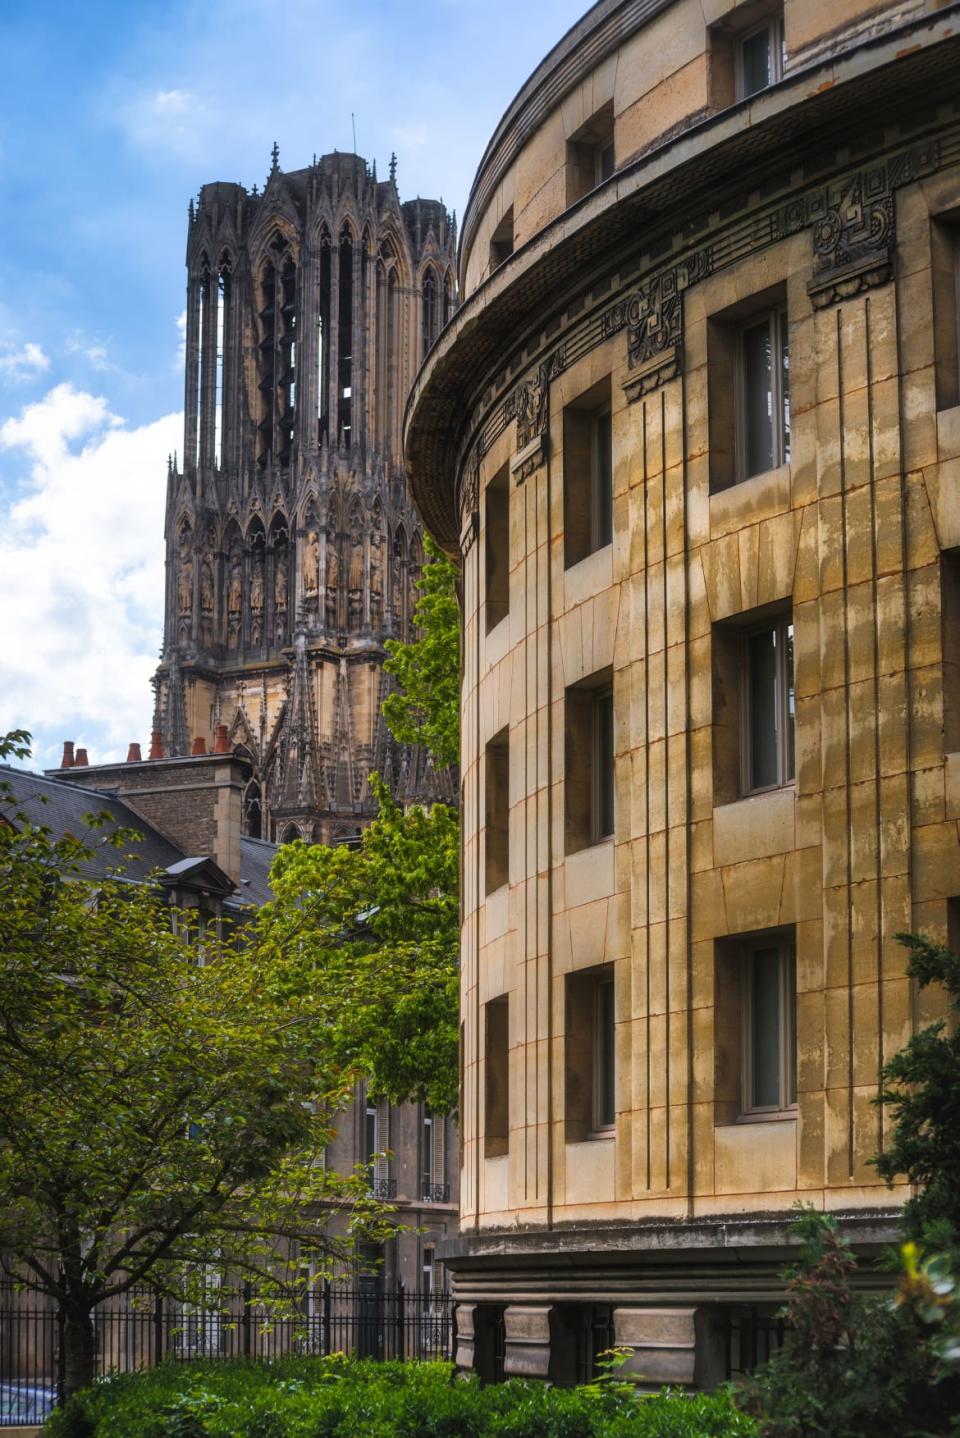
[[773, 25], [598, 780], [779, 624], [778, 321], [601, 482], [604, 1039], [787, 1106]]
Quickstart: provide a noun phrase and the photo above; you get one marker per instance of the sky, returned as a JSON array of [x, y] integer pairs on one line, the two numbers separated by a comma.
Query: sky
[[113, 113]]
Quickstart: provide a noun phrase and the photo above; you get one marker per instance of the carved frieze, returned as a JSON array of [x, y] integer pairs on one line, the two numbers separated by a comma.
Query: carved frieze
[[853, 236]]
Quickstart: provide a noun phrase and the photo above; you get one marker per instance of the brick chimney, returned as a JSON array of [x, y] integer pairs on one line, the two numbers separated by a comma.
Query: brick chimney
[[67, 761], [133, 754], [81, 761], [221, 743], [199, 746], [156, 744]]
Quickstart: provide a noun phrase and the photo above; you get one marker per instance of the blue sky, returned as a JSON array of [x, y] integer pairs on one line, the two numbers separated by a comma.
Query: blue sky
[[112, 114]]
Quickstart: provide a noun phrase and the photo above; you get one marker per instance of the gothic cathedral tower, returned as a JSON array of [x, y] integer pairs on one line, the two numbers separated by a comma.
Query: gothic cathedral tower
[[292, 544]]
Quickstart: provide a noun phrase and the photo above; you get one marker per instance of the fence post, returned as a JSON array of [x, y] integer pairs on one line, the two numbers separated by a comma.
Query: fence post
[[327, 1314], [452, 1325], [245, 1317], [61, 1353], [400, 1316], [158, 1328]]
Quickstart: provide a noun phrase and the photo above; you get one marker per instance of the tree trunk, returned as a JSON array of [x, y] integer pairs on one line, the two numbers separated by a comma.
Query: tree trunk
[[79, 1352]]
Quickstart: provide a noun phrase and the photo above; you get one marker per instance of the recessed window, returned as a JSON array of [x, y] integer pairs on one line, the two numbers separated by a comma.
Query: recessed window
[[945, 274], [754, 705], [764, 382], [496, 539], [590, 154], [769, 706], [587, 474], [950, 647], [590, 1055], [769, 1005], [496, 1098], [496, 819], [755, 1026], [759, 57], [589, 762], [748, 379], [501, 241]]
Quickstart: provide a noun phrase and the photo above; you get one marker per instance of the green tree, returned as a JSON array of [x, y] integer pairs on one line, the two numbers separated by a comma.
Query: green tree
[[378, 925], [426, 710], [164, 1094], [921, 1088]]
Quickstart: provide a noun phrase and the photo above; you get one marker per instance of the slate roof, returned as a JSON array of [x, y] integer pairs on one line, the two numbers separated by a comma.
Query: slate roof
[[62, 807]]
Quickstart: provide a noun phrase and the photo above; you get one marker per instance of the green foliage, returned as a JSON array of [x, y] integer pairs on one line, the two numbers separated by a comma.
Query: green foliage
[[378, 926], [854, 1365], [163, 1094], [427, 708], [339, 1397], [378, 934], [921, 1087]]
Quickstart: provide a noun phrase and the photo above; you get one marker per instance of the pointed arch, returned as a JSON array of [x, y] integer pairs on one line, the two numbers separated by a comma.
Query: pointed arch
[[429, 309]]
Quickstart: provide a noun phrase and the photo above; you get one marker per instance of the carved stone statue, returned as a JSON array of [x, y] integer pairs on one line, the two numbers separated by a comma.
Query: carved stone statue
[[376, 578], [235, 590], [185, 579], [311, 563], [355, 586], [256, 581], [206, 585], [280, 579], [333, 579]]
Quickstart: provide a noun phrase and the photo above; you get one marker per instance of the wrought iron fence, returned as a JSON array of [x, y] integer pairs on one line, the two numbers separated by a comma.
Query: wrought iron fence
[[367, 1320]]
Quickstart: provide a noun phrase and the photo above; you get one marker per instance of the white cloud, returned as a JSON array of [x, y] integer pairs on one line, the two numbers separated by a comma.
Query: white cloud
[[181, 323], [93, 350], [166, 120], [81, 573], [23, 363]]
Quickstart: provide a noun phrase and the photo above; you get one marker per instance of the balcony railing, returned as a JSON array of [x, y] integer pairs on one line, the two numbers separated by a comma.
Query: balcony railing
[[435, 1192], [383, 1188]]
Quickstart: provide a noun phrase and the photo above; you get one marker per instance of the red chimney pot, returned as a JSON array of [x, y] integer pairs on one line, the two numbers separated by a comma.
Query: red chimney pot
[[133, 754], [68, 761], [199, 745], [156, 744], [221, 744], [81, 761]]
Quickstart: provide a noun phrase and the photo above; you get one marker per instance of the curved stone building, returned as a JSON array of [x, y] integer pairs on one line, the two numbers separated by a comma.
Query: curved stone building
[[292, 546], [694, 435]]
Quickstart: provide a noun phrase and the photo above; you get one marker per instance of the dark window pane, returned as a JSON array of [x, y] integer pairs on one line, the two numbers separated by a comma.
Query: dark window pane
[[603, 480], [785, 386], [757, 400], [603, 722], [790, 998], [762, 701], [755, 59], [765, 1028], [605, 1060], [605, 162]]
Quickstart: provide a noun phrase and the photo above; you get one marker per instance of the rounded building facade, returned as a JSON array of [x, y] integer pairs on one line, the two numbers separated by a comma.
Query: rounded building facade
[[694, 436]]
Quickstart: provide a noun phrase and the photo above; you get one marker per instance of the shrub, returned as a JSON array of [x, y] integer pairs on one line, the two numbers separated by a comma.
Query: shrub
[[854, 1365], [347, 1398]]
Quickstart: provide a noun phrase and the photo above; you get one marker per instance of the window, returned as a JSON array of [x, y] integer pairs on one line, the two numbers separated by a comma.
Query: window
[[497, 547], [769, 706], [748, 378], [589, 762], [759, 58], [590, 154], [501, 241], [769, 1008], [764, 377], [497, 795], [754, 705], [950, 647], [590, 1073], [587, 474], [755, 1018], [945, 272], [496, 1098]]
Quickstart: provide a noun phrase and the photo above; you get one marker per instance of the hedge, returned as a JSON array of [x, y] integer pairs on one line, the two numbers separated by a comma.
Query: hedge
[[339, 1397]]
